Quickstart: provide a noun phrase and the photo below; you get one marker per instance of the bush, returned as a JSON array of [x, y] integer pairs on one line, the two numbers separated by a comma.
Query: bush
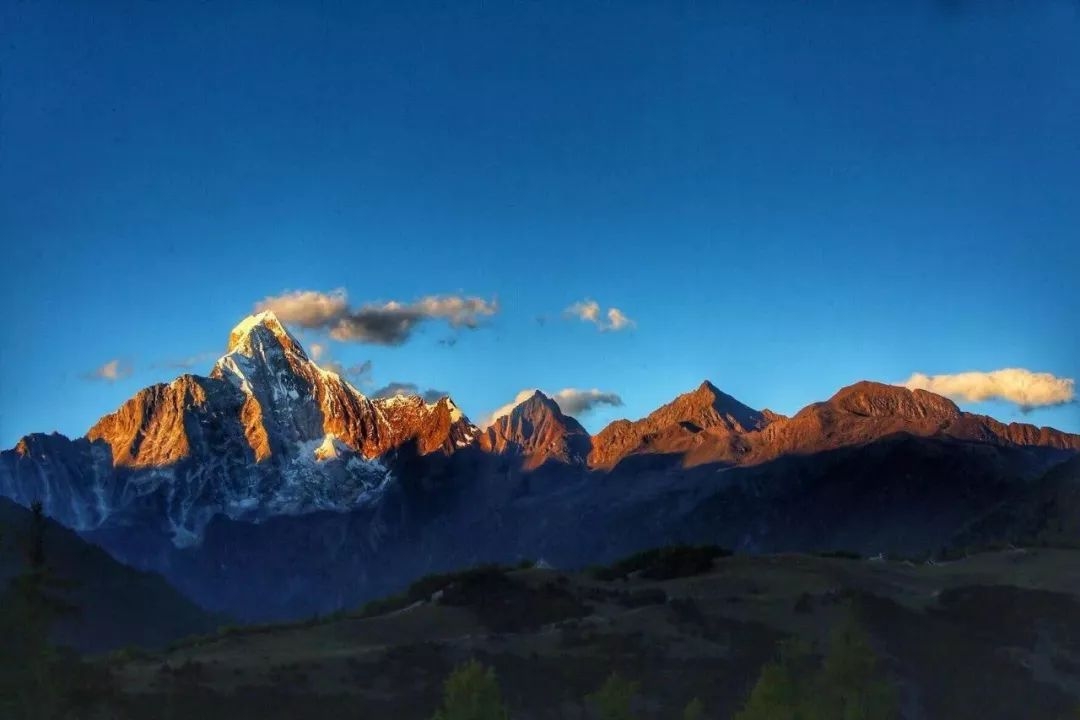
[[471, 693], [614, 698], [694, 710], [849, 684], [673, 561]]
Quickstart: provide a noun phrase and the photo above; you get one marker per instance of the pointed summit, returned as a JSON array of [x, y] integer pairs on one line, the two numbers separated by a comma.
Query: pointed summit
[[701, 417], [252, 335], [707, 406], [538, 430]]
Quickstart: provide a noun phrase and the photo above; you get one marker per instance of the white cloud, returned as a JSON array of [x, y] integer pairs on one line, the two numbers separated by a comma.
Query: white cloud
[[307, 308], [111, 371], [389, 323], [590, 311], [1016, 385], [570, 400]]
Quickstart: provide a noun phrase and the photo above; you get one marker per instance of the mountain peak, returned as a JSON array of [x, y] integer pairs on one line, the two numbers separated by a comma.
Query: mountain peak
[[251, 335], [537, 429], [876, 399], [707, 406]]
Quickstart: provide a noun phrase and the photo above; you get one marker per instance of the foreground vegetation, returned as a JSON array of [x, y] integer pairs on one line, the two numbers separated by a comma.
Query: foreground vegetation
[[678, 633]]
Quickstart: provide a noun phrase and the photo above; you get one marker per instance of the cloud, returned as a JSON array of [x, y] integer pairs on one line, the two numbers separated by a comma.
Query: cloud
[[359, 372], [111, 371], [1016, 385], [307, 308], [187, 363], [316, 351], [431, 395], [590, 311], [576, 402], [570, 400], [390, 323]]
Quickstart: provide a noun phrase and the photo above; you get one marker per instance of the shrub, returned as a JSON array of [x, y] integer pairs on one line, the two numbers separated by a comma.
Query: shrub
[[614, 698], [471, 693], [694, 710], [849, 684]]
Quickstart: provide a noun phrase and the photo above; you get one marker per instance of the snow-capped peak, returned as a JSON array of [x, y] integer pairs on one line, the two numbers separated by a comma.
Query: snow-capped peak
[[251, 334]]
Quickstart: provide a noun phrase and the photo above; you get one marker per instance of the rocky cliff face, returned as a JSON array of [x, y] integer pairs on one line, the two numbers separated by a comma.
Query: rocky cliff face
[[434, 427], [706, 426], [537, 431], [702, 417], [267, 433]]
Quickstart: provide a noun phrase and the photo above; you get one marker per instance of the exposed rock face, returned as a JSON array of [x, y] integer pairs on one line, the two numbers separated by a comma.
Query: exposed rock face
[[269, 432], [538, 431], [868, 411], [703, 417], [435, 427], [707, 426]]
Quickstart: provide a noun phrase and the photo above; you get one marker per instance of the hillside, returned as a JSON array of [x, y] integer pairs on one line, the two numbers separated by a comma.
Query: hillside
[[993, 636], [115, 605]]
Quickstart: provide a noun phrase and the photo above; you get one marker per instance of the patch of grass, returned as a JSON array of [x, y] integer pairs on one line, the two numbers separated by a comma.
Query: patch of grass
[[665, 563]]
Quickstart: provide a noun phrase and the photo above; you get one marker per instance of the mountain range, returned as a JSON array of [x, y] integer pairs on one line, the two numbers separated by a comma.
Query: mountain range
[[274, 488]]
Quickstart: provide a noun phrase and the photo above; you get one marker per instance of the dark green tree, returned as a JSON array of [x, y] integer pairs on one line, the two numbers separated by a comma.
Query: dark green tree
[[785, 688], [694, 710], [849, 685], [472, 693], [852, 685], [614, 698]]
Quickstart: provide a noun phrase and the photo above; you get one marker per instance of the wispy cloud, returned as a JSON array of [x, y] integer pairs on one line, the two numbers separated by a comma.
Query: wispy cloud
[[187, 363], [407, 388], [578, 402], [1025, 388], [570, 400], [111, 371], [388, 323], [359, 373], [613, 319]]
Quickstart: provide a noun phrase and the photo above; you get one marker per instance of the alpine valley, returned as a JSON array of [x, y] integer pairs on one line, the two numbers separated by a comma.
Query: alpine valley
[[274, 489]]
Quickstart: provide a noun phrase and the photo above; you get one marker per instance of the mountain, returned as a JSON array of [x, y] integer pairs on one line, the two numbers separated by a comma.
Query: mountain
[[273, 488], [269, 432], [702, 417], [707, 426], [115, 605], [434, 427], [537, 431], [1044, 512]]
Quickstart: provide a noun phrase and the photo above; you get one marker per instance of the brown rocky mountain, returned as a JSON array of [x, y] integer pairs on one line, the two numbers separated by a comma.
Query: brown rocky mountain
[[705, 418], [706, 426], [268, 430], [538, 431], [435, 427]]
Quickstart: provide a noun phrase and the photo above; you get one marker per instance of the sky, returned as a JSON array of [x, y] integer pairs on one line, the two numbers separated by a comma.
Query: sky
[[781, 197]]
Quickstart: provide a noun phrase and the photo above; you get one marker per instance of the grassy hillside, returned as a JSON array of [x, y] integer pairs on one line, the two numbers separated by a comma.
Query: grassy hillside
[[995, 635], [115, 605]]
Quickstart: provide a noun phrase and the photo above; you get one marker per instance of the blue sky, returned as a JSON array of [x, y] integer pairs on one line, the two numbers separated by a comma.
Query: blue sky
[[785, 197]]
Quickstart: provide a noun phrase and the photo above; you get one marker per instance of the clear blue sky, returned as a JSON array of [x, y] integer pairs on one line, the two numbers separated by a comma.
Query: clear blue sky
[[785, 197]]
